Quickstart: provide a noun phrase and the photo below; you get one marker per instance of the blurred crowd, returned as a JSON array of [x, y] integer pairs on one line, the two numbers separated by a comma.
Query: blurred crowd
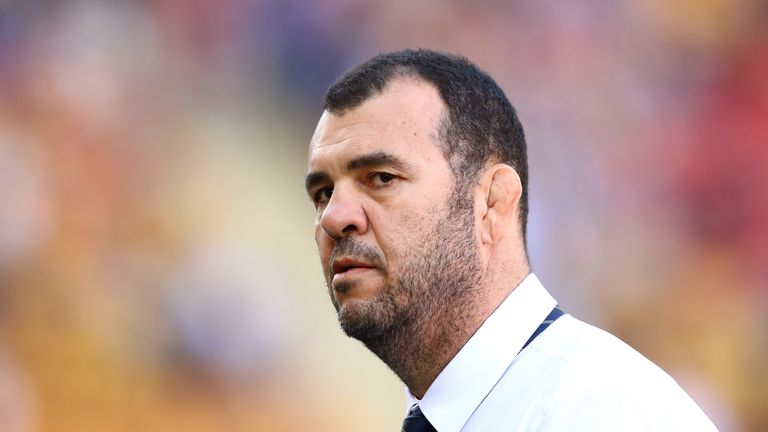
[[157, 268]]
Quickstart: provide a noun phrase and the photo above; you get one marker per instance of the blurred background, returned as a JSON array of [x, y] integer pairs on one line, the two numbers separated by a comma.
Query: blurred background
[[157, 266]]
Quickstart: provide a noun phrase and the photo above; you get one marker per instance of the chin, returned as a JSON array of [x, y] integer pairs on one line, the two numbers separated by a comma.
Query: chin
[[353, 313], [365, 319]]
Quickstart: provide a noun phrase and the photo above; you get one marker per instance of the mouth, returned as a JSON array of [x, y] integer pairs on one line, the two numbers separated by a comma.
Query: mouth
[[345, 265]]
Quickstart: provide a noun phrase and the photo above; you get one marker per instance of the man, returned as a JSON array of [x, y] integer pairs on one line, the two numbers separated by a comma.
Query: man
[[419, 176]]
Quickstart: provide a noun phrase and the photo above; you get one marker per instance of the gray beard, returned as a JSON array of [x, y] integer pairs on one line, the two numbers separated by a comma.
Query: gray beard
[[420, 314]]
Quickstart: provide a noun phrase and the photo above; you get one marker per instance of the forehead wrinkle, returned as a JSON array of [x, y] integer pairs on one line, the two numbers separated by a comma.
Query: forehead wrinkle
[[323, 144], [333, 133], [367, 124]]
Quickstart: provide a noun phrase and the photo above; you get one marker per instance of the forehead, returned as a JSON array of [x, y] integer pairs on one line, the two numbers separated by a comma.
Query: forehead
[[403, 119]]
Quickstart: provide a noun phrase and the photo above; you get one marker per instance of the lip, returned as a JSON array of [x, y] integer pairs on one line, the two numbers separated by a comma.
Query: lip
[[351, 273], [344, 265]]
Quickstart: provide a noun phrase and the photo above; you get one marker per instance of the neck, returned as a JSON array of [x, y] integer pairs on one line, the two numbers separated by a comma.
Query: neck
[[419, 349]]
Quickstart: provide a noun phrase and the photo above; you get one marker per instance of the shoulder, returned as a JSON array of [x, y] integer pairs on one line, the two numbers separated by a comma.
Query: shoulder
[[575, 376], [590, 358]]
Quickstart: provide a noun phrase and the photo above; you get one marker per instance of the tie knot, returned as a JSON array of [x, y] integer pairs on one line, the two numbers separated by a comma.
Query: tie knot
[[415, 421]]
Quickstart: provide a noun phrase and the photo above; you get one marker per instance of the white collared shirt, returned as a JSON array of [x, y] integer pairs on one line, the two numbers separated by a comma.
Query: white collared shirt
[[572, 377]]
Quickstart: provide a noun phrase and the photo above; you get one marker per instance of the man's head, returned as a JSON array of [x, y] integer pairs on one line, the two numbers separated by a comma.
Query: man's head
[[479, 124], [417, 158]]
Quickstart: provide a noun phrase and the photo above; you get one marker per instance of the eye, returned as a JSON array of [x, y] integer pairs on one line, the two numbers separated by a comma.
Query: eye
[[322, 196], [381, 179]]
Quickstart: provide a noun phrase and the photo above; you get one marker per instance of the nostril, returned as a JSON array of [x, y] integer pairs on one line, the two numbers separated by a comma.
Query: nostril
[[349, 228]]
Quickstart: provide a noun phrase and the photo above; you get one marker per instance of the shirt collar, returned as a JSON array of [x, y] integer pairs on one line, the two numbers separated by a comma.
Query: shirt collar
[[477, 367]]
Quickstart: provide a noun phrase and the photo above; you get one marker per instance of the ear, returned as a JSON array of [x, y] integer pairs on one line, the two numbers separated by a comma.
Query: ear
[[500, 191]]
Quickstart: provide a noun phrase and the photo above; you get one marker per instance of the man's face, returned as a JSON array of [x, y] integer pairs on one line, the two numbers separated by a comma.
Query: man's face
[[391, 246]]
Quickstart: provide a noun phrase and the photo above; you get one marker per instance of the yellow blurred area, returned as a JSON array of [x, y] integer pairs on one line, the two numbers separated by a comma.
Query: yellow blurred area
[[157, 267]]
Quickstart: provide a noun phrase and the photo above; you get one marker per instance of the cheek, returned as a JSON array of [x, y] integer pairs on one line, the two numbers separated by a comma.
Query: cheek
[[324, 246], [399, 233]]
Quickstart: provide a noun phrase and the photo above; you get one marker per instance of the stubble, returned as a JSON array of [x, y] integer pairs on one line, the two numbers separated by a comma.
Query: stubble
[[419, 314]]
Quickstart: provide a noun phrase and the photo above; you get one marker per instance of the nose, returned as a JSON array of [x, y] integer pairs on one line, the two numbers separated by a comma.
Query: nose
[[344, 215]]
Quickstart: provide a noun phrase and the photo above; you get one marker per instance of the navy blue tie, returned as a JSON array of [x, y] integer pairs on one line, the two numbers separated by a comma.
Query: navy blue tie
[[415, 421], [554, 315]]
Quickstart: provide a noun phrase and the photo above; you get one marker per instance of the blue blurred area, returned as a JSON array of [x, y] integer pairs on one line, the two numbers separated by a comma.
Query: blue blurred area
[[157, 268]]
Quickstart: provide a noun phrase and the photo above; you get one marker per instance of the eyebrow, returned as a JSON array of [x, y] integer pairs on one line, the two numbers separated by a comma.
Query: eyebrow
[[376, 160], [315, 178], [370, 160]]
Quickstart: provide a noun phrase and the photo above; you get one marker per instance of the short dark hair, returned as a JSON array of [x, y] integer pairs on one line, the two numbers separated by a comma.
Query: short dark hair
[[481, 125]]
